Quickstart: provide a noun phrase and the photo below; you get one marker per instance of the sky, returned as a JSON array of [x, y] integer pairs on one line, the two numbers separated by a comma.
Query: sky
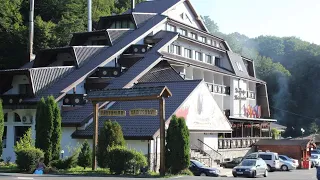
[[300, 18]]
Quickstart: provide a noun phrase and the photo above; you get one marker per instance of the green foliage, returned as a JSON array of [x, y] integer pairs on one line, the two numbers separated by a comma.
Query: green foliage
[[1, 125], [26, 142], [123, 160], [110, 135], [177, 147], [85, 156], [56, 133], [28, 158], [67, 163], [212, 27], [275, 133]]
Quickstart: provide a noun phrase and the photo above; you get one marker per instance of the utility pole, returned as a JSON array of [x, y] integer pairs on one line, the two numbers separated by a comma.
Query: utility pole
[[31, 30], [89, 15]]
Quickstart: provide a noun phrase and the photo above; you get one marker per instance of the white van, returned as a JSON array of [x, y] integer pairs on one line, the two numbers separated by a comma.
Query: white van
[[271, 159]]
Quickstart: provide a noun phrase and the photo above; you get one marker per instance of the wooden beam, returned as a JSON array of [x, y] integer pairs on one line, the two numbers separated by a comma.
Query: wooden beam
[[162, 136], [95, 135]]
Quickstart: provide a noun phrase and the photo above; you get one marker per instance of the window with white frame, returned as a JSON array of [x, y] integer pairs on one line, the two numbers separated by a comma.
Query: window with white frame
[[171, 48], [183, 32], [209, 59], [209, 41], [188, 53], [239, 66], [214, 43], [202, 39], [193, 35], [198, 56], [217, 62], [177, 49], [171, 27]]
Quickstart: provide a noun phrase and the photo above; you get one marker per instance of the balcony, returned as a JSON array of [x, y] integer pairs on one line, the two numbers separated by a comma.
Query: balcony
[[251, 94], [74, 99], [107, 72], [13, 99], [233, 143], [218, 89]]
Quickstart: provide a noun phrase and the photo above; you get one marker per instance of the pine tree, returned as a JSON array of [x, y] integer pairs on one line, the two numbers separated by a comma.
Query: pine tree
[[110, 135], [56, 133], [1, 126], [177, 147], [44, 128], [85, 156]]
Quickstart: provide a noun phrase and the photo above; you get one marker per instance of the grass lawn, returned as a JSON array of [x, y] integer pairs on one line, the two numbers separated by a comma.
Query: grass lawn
[[8, 168]]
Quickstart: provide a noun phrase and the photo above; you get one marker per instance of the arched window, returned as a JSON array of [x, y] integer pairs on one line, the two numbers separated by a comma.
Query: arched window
[[17, 118], [5, 117]]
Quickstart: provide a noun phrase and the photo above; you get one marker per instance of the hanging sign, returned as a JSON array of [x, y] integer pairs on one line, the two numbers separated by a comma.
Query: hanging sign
[[104, 112], [143, 112]]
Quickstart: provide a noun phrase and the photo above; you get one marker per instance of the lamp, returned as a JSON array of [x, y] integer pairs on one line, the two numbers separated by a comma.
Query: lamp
[[62, 152]]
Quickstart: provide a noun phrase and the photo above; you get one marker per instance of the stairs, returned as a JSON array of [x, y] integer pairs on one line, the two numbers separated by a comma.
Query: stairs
[[203, 157]]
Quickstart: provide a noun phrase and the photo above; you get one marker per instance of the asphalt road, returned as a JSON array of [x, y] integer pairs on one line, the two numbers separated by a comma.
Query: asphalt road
[[293, 175]]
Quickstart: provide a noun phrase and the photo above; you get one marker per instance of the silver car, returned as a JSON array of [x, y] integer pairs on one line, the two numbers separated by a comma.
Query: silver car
[[251, 168], [287, 165], [315, 160]]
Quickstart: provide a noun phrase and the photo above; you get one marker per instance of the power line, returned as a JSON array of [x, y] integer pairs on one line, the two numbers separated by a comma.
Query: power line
[[307, 117]]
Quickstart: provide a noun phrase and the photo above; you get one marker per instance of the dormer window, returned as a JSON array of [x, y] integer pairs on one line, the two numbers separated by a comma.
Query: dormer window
[[124, 24], [24, 89], [217, 62], [239, 66]]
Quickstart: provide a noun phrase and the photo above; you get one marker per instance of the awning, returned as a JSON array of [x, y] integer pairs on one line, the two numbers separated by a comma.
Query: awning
[[252, 119]]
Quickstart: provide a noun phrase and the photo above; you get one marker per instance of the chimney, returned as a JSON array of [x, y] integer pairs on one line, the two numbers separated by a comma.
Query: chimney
[[133, 5], [89, 15], [31, 31]]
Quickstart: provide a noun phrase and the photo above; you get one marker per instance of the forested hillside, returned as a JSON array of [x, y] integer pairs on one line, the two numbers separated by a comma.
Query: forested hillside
[[291, 67]]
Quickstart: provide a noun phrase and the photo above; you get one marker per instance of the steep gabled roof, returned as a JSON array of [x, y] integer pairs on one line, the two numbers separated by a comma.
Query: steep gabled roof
[[145, 126]]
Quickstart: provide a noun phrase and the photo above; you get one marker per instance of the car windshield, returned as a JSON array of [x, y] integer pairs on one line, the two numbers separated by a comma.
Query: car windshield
[[314, 157], [283, 157], [197, 163], [248, 163]]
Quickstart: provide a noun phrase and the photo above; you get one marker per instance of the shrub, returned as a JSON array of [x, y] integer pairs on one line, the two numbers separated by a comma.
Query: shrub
[[110, 135], [177, 147], [85, 156], [27, 159], [25, 142], [56, 133], [67, 163], [123, 160]]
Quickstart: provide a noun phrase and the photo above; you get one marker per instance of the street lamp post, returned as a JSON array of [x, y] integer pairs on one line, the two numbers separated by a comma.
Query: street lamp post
[[62, 152]]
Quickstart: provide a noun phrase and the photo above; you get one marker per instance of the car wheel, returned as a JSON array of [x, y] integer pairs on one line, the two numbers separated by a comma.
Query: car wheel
[[254, 174], [284, 168], [203, 174], [265, 173], [268, 168], [234, 175]]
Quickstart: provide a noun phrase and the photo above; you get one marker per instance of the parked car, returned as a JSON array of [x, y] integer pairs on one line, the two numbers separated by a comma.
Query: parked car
[[231, 164], [286, 158], [271, 159], [287, 165], [315, 160], [251, 168], [198, 169], [315, 151]]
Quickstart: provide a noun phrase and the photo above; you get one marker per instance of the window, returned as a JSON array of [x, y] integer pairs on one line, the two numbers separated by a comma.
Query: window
[[4, 137], [239, 66], [217, 62], [198, 56], [177, 49], [203, 39], [118, 24], [265, 157], [215, 43], [171, 28], [209, 41], [5, 117], [182, 32], [99, 42], [131, 25], [24, 89], [171, 48], [209, 59], [193, 35], [68, 63], [188, 53], [17, 117]]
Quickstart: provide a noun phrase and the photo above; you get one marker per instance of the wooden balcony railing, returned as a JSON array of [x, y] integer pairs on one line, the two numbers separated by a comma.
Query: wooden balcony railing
[[219, 89], [231, 143]]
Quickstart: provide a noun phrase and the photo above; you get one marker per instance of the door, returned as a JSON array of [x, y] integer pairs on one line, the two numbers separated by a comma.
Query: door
[[194, 169]]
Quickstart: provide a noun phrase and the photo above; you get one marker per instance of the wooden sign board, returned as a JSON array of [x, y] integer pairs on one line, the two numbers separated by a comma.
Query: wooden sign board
[[104, 112], [143, 112]]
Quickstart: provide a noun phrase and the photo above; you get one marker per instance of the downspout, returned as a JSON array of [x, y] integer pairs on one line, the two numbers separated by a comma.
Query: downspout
[[31, 30], [89, 16]]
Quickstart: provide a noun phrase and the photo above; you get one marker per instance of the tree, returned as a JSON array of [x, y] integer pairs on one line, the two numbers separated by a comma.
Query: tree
[[85, 155], [212, 27], [44, 128], [56, 133], [275, 133], [26, 142], [110, 135], [1, 125], [314, 128], [177, 147]]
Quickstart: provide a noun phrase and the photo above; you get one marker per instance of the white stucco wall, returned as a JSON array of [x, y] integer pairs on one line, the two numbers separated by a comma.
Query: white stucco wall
[[138, 145], [16, 80], [211, 140]]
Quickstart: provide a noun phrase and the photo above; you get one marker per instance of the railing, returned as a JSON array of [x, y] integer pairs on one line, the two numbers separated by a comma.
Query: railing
[[74, 99], [204, 157], [231, 143], [214, 154], [220, 89], [13, 99]]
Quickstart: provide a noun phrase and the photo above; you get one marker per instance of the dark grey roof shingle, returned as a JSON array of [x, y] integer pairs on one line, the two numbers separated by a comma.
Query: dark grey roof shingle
[[141, 18], [116, 34], [146, 126], [237, 63], [155, 6], [77, 115], [85, 53]]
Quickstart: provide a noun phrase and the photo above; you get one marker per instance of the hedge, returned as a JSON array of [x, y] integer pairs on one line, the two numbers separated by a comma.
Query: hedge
[[27, 159]]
